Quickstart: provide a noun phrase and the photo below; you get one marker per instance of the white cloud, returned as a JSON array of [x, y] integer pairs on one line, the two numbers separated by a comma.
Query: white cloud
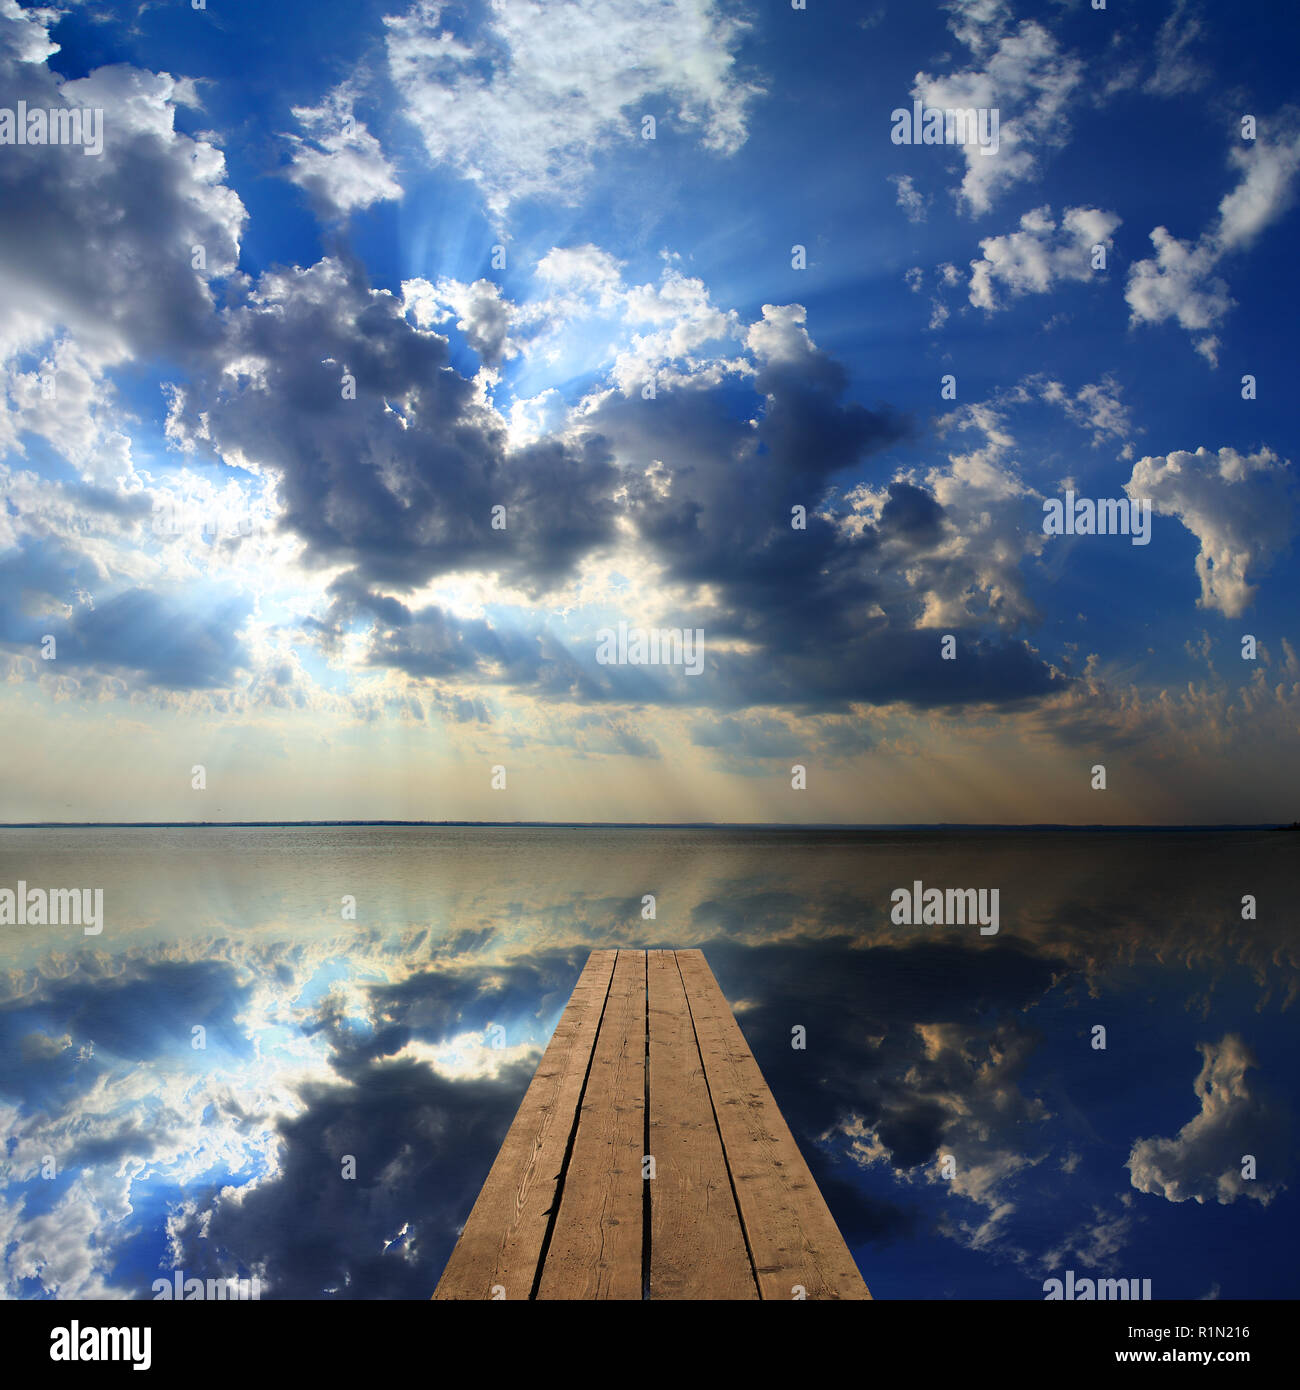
[[482, 313], [469, 1056], [653, 331], [1095, 1244], [1239, 506], [83, 291], [1020, 71], [524, 108], [339, 162], [970, 570], [1176, 70], [1266, 191], [582, 270], [65, 400], [968, 1086], [685, 320], [1180, 282], [66, 265], [910, 198], [1204, 1161], [781, 335], [26, 33], [1040, 255], [1096, 406], [975, 575]]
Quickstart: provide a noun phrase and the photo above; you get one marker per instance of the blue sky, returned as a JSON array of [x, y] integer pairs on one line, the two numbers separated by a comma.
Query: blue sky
[[454, 206]]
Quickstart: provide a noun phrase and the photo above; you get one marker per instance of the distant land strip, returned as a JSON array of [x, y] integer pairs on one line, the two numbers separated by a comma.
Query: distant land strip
[[792, 826]]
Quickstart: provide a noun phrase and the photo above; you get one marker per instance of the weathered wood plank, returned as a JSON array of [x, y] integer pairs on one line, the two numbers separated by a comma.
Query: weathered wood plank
[[697, 1249], [596, 1243], [792, 1236], [502, 1241], [564, 1207]]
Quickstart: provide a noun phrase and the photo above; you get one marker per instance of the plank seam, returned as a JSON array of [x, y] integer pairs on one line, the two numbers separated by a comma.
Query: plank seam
[[646, 1184], [722, 1143], [573, 1134]]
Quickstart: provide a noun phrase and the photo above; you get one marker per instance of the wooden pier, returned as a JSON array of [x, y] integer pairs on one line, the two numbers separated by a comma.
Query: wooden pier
[[648, 1063]]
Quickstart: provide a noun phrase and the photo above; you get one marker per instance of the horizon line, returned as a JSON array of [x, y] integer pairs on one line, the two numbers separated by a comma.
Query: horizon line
[[637, 825]]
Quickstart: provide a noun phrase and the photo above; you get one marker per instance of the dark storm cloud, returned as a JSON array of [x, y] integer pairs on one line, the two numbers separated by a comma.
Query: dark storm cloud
[[165, 640], [815, 657], [33, 582], [105, 245], [860, 1007], [121, 506], [431, 642], [401, 481], [155, 1010], [424, 642], [827, 614], [742, 744], [39, 1068], [862, 1218], [748, 739], [717, 504], [910, 511], [433, 1005], [398, 485], [62, 1037], [887, 666], [133, 1139], [422, 1144]]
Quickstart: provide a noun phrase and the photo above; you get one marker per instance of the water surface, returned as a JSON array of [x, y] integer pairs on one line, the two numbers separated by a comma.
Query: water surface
[[403, 1040]]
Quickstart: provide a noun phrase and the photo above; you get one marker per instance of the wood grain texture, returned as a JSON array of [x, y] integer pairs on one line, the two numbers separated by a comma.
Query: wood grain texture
[[502, 1241], [595, 1248], [648, 1059], [697, 1249], [793, 1238]]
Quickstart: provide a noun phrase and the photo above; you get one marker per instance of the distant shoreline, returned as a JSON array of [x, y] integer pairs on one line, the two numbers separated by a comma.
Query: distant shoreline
[[613, 825]]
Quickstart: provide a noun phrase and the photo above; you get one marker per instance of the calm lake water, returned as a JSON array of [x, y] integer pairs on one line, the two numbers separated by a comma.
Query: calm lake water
[[181, 1090]]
